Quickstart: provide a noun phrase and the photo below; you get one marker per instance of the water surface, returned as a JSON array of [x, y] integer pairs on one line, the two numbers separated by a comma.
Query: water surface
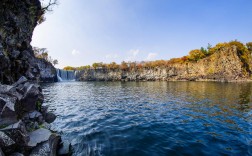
[[153, 118]]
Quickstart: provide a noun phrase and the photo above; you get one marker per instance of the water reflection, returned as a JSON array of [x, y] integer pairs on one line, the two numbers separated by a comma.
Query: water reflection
[[153, 118]]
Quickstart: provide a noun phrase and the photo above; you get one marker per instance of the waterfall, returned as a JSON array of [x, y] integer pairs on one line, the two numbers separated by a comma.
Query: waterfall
[[65, 75]]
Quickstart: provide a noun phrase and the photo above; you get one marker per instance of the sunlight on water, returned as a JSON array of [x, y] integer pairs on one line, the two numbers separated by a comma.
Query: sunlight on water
[[153, 118]]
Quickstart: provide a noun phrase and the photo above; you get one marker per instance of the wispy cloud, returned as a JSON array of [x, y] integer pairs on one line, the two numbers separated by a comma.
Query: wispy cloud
[[132, 55], [75, 52], [112, 56], [151, 56]]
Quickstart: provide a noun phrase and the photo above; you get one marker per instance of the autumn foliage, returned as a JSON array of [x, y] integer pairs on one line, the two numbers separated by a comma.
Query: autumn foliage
[[244, 52]]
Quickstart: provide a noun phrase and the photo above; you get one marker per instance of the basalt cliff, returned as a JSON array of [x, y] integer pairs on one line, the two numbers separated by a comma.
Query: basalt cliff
[[24, 121], [224, 65]]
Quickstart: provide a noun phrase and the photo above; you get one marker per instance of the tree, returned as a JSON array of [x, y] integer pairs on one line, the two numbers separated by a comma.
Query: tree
[[124, 66], [249, 46], [69, 68], [196, 55], [55, 62], [204, 51], [46, 7]]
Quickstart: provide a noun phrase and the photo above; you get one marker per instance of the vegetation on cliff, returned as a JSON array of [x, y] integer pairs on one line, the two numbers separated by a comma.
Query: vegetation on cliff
[[244, 53], [42, 53]]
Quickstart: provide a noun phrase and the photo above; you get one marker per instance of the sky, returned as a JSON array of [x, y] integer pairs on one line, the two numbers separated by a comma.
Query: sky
[[81, 32]]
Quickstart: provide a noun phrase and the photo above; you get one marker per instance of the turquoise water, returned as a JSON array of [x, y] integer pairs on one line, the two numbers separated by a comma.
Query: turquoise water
[[153, 118]]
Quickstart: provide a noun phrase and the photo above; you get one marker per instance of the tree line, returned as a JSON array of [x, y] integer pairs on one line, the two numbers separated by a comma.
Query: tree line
[[244, 52]]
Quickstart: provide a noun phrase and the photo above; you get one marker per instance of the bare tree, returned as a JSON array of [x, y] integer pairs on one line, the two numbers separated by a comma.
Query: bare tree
[[47, 6]]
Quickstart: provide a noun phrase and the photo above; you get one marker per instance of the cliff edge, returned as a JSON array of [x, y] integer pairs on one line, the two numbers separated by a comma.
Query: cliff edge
[[226, 64]]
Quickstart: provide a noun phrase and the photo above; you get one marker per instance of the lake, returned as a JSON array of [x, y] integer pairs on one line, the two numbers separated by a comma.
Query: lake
[[153, 118]]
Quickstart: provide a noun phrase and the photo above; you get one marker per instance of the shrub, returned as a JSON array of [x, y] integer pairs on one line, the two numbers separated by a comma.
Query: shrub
[[196, 55]]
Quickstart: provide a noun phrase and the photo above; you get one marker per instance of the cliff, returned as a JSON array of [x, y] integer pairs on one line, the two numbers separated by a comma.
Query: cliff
[[224, 65], [24, 121], [17, 22]]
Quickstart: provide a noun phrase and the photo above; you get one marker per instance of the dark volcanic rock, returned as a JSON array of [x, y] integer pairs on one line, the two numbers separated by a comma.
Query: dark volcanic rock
[[39, 136], [21, 102], [32, 99], [16, 154], [18, 133], [47, 148], [1, 152], [5, 140], [65, 149], [17, 22], [50, 117]]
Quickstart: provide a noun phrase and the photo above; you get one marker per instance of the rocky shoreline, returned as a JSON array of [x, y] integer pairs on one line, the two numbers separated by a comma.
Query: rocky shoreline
[[25, 122]]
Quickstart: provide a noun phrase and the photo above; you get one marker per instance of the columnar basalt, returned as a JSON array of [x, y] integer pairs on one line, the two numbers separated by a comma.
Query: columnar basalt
[[24, 121], [224, 65]]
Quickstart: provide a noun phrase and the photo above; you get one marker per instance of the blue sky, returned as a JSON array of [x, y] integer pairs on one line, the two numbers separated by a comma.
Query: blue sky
[[81, 32]]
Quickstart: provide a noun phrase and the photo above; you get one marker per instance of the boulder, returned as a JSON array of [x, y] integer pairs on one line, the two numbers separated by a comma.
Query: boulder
[[7, 105], [65, 148], [1, 152], [38, 136], [5, 140], [17, 132], [21, 80], [32, 98], [34, 116], [16, 154], [47, 148], [50, 117], [6, 143], [7, 112]]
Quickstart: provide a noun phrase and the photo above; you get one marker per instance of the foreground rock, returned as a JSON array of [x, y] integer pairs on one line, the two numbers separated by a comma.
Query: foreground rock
[[22, 116], [21, 111]]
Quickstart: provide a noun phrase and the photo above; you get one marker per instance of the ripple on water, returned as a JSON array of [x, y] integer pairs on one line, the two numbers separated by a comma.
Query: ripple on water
[[153, 118]]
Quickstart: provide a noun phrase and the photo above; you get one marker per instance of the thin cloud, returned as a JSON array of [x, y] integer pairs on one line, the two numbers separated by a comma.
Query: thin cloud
[[133, 53], [75, 52], [112, 56], [151, 56]]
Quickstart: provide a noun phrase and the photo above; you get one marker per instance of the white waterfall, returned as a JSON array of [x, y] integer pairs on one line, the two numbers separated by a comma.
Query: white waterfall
[[65, 75]]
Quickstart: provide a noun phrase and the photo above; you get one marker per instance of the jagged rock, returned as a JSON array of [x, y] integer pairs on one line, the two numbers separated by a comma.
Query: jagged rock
[[65, 149], [16, 154], [38, 136], [32, 98], [34, 116], [50, 117], [31, 126], [5, 141], [21, 80], [1, 152], [18, 133], [44, 110], [47, 148]]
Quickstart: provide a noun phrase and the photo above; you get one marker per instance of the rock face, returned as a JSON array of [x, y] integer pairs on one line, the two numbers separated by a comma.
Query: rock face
[[48, 72], [17, 22], [22, 114], [224, 65]]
